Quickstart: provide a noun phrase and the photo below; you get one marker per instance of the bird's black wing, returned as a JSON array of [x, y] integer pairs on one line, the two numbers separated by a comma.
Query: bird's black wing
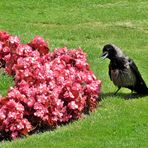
[[109, 72], [140, 85], [135, 70]]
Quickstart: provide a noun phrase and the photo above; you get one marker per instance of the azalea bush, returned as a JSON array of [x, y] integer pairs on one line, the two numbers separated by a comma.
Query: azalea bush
[[50, 88]]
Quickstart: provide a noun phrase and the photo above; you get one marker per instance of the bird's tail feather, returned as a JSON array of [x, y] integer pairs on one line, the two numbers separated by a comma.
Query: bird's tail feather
[[141, 89]]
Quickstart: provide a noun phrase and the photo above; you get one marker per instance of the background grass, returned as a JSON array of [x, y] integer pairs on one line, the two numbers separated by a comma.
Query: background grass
[[117, 122]]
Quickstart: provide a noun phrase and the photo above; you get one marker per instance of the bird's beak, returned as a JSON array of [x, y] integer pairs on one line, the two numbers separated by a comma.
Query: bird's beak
[[104, 55]]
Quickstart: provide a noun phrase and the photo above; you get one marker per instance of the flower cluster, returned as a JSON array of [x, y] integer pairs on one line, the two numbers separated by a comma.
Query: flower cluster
[[12, 118], [51, 88]]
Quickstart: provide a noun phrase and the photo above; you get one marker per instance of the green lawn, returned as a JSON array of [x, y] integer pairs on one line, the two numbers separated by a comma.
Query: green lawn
[[89, 24]]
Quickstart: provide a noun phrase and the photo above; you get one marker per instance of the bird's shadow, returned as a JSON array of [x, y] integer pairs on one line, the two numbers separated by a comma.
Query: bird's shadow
[[122, 95]]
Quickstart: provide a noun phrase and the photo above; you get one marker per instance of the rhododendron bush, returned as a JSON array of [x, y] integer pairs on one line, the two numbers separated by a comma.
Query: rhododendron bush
[[51, 88]]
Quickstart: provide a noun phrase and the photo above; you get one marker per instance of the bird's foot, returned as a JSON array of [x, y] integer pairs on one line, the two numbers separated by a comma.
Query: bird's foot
[[117, 90]]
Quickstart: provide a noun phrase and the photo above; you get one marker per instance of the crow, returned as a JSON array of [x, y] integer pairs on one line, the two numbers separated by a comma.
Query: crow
[[123, 71]]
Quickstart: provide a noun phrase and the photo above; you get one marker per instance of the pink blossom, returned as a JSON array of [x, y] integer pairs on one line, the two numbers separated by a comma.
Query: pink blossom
[[50, 88], [13, 42], [4, 36], [72, 105], [39, 44]]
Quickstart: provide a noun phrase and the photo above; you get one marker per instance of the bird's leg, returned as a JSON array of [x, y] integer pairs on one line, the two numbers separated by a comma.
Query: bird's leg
[[117, 90]]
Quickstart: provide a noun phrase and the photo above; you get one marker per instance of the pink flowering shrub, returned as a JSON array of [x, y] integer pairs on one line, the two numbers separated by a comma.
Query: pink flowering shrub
[[51, 88]]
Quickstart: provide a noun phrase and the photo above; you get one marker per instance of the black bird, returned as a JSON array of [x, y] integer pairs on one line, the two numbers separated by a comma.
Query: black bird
[[123, 71]]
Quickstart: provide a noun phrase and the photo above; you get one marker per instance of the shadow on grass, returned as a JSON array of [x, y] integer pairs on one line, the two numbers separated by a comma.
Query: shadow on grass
[[121, 95]]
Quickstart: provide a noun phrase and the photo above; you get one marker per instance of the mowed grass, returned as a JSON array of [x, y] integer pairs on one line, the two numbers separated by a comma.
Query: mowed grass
[[117, 122]]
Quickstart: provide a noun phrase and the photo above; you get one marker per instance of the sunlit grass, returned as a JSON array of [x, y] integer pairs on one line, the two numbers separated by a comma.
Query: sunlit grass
[[88, 24]]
